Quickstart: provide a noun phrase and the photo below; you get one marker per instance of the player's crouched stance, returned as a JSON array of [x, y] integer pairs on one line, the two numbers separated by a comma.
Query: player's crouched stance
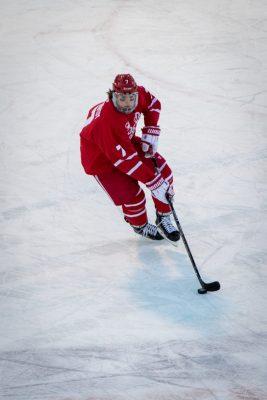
[[119, 160]]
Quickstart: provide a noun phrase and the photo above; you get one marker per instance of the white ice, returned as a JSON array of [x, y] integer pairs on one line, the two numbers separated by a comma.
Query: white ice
[[89, 310]]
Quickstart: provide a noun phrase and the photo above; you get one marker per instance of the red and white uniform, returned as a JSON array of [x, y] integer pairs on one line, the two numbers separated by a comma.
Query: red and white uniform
[[112, 153], [107, 137]]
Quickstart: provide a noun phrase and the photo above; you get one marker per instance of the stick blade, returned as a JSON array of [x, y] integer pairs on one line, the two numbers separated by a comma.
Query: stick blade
[[212, 286]]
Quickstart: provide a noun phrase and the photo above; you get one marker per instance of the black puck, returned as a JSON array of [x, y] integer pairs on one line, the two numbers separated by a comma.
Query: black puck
[[202, 291]]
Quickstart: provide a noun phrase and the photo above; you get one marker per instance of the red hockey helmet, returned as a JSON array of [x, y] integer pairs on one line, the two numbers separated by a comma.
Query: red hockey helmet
[[124, 83]]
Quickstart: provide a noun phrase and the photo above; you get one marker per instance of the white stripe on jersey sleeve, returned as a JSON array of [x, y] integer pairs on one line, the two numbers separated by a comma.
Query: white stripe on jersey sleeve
[[126, 159], [152, 102], [134, 168], [118, 163]]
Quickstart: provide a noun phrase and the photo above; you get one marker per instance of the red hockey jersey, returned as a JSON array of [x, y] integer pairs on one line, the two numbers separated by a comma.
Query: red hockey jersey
[[108, 137]]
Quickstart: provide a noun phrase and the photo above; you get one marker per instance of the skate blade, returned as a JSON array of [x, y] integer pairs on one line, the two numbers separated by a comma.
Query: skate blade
[[175, 244]]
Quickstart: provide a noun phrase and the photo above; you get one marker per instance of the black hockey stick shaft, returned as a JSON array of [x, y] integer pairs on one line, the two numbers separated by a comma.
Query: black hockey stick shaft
[[185, 242], [212, 286]]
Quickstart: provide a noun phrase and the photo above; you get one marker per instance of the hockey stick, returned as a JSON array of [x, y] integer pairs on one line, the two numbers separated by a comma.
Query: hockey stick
[[205, 287]]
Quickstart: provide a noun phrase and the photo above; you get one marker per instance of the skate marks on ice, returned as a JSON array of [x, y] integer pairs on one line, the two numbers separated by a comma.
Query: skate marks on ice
[[20, 211], [174, 369]]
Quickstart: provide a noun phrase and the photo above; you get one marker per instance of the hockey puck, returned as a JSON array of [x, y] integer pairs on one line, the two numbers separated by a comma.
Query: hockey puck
[[202, 291]]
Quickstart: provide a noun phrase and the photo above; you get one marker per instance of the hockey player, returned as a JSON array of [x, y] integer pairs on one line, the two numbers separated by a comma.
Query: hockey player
[[119, 160]]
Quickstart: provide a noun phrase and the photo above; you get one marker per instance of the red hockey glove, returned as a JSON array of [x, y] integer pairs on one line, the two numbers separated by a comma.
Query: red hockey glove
[[150, 137], [159, 188]]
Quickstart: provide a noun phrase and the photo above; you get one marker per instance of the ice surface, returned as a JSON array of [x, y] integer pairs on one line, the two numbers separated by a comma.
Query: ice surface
[[90, 311]]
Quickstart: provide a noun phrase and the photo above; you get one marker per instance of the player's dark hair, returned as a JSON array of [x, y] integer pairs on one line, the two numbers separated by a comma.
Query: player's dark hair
[[109, 93]]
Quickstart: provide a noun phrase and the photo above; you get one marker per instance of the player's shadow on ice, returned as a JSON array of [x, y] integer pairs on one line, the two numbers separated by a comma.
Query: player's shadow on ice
[[166, 284]]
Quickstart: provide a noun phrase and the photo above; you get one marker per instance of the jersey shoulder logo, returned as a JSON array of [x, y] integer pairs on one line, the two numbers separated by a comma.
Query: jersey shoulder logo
[[95, 113]]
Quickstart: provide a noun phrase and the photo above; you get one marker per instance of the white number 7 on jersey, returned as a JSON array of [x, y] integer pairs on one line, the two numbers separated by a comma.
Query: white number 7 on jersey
[[123, 152]]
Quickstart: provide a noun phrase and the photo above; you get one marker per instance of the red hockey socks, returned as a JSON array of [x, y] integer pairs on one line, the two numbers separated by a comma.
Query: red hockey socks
[[135, 211]]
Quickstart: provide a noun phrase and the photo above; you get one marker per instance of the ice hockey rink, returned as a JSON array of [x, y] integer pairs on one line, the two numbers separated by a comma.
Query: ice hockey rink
[[89, 310]]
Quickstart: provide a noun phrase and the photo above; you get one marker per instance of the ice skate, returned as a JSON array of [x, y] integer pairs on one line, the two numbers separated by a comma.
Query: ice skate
[[149, 231], [167, 229]]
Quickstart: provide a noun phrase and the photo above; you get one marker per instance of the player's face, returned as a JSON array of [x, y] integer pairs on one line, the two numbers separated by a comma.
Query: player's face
[[125, 103]]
